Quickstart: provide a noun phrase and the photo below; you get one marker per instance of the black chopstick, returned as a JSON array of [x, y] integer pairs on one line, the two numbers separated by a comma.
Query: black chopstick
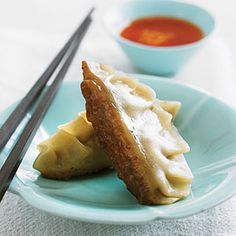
[[14, 159], [10, 125]]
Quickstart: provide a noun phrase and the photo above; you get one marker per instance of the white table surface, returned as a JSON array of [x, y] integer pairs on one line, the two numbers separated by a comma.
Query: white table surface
[[31, 32]]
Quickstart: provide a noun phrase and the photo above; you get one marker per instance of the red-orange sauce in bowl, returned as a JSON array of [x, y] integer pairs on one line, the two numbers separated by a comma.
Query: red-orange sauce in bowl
[[162, 31]]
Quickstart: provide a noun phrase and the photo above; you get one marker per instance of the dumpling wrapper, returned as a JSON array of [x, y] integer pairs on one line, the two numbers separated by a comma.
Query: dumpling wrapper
[[74, 151], [71, 152], [138, 135]]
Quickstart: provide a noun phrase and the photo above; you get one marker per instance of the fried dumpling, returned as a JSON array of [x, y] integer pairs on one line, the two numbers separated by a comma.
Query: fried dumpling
[[71, 152], [137, 134], [74, 150]]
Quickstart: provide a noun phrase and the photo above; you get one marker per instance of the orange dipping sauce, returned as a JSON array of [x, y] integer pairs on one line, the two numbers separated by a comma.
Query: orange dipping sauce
[[162, 31]]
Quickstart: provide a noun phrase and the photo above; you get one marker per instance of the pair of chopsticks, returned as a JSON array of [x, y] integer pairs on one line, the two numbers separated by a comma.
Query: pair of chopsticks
[[61, 62]]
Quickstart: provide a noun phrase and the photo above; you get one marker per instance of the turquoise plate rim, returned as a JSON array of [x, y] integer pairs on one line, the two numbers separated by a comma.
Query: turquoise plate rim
[[116, 216]]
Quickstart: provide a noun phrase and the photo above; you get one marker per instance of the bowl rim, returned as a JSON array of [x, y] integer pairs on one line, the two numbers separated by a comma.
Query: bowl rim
[[130, 43]]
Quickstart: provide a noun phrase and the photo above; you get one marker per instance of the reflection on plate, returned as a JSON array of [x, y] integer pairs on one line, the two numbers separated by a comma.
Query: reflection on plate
[[207, 124]]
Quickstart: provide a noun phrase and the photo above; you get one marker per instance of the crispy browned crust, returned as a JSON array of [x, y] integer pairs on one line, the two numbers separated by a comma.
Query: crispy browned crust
[[116, 139]]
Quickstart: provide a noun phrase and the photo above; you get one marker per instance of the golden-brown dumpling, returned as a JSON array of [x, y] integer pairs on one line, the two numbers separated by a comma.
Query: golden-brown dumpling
[[138, 135], [71, 152], [76, 151]]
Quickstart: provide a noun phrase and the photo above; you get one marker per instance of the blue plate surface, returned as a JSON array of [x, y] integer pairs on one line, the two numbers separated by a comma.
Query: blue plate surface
[[208, 125]]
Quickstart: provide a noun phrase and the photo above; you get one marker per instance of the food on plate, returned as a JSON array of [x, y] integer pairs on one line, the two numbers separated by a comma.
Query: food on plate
[[162, 31], [62, 156], [137, 134], [133, 127], [71, 152]]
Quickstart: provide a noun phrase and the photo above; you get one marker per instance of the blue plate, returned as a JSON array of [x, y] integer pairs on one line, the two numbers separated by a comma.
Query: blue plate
[[208, 125]]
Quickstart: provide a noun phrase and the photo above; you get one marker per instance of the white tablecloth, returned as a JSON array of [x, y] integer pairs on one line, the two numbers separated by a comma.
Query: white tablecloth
[[31, 32]]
